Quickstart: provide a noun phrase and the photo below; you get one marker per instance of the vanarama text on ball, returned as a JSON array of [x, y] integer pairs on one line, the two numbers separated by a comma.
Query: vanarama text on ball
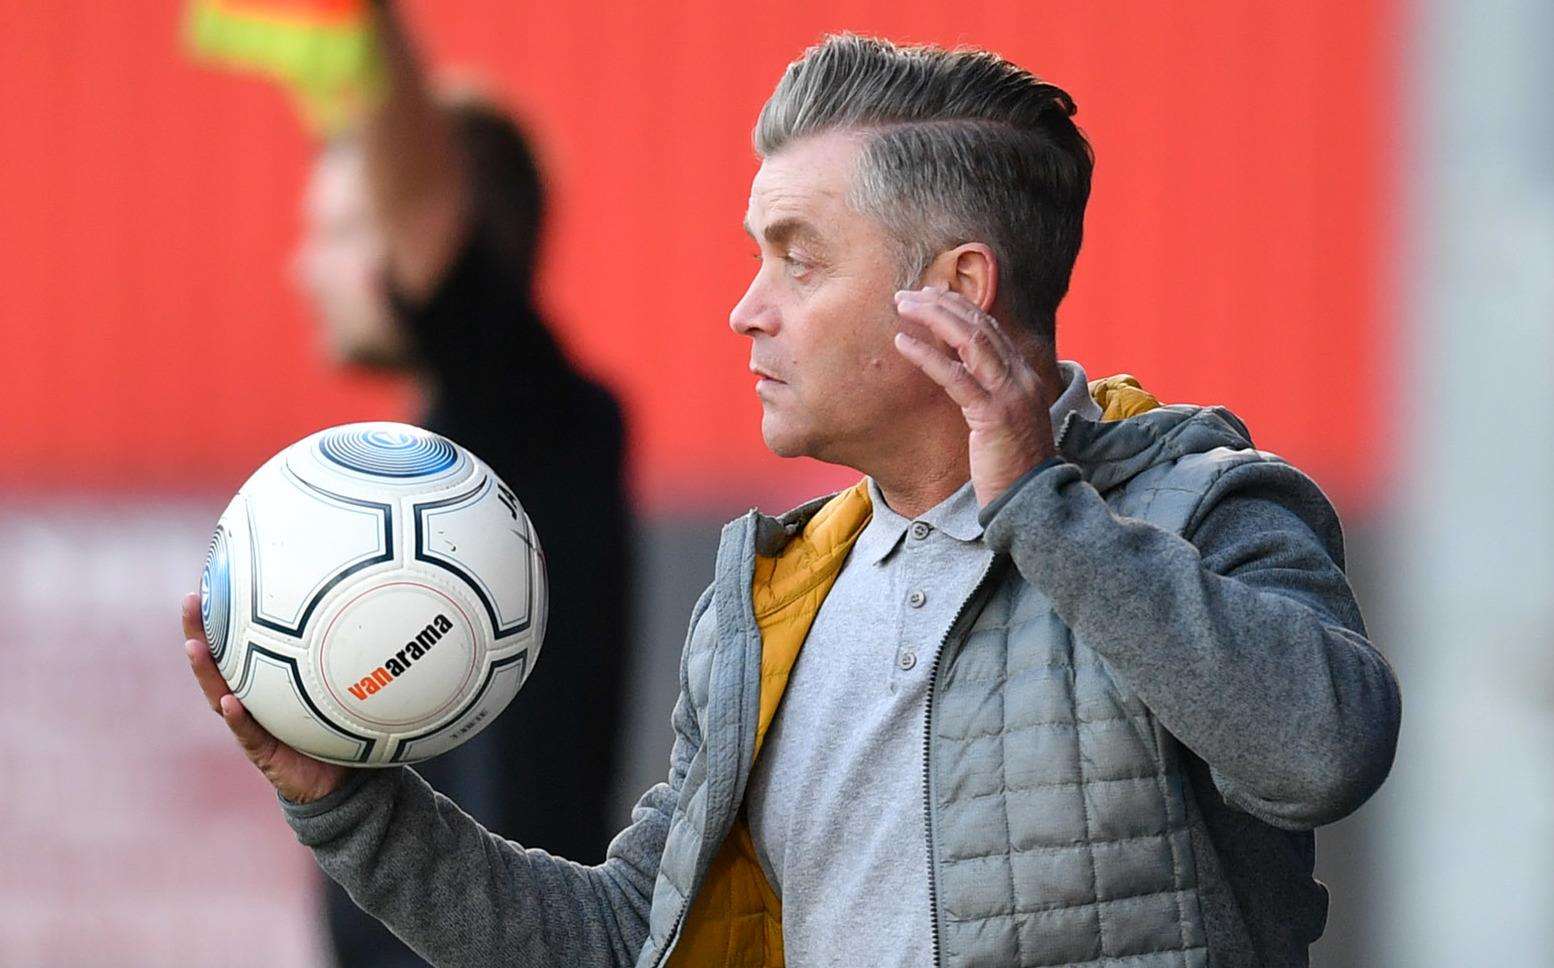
[[395, 665]]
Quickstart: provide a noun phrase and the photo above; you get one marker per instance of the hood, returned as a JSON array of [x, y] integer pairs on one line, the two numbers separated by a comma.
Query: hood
[[1136, 432]]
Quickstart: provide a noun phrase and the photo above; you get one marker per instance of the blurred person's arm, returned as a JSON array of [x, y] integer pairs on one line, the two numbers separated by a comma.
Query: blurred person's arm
[[460, 232], [417, 177]]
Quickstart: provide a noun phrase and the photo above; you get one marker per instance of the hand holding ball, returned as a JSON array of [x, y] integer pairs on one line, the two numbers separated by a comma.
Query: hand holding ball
[[373, 595]]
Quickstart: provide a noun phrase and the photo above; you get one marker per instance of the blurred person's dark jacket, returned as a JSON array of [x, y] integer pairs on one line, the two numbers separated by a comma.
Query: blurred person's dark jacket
[[542, 773]]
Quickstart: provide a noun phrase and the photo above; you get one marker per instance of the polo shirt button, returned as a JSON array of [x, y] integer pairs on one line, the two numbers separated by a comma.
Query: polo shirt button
[[919, 530], [916, 599], [907, 659]]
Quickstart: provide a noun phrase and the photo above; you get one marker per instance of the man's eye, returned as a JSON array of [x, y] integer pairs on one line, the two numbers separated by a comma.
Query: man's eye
[[796, 267]]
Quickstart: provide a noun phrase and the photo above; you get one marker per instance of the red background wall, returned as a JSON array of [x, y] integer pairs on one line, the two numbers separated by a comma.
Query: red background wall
[[150, 338]]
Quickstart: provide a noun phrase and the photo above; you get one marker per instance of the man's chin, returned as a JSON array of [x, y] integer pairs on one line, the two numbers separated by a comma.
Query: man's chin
[[786, 448], [784, 441]]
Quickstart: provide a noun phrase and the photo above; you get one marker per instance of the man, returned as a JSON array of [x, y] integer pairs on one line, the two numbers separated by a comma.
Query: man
[[421, 232], [1079, 673]]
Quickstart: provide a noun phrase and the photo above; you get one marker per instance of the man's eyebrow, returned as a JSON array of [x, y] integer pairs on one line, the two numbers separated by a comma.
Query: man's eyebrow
[[784, 230]]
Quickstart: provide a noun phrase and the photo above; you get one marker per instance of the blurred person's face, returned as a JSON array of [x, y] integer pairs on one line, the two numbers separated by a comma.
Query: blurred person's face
[[339, 263], [820, 313]]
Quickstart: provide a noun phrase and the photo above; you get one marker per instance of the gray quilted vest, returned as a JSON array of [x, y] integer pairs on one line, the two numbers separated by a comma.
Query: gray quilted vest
[[1058, 812], [1060, 809]]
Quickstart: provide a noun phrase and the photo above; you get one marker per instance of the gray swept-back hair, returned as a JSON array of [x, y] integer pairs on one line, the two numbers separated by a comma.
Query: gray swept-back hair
[[960, 146]]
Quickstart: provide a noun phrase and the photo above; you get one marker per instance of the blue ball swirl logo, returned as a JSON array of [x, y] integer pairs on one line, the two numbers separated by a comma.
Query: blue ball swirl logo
[[216, 595], [389, 453]]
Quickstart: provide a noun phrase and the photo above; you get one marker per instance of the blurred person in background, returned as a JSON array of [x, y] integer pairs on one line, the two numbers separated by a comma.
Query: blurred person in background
[[421, 233]]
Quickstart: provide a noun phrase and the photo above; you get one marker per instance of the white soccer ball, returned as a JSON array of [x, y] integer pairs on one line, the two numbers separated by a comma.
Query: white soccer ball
[[374, 595]]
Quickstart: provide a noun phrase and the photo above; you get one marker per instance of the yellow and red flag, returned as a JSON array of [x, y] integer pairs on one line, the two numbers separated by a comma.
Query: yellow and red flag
[[322, 51]]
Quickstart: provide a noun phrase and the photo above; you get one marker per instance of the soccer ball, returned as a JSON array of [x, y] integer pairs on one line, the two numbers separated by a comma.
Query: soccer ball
[[374, 595]]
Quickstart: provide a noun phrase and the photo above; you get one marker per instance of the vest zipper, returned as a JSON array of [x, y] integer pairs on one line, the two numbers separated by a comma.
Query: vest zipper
[[933, 684], [673, 937]]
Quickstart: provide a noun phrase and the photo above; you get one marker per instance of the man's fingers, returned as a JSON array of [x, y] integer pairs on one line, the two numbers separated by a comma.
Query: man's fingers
[[925, 308], [968, 311], [193, 628], [255, 739], [983, 351], [258, 745], [948, 373], [198, 652], [205, 672]]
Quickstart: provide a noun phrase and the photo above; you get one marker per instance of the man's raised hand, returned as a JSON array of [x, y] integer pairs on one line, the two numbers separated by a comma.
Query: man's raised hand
[[1004, 400]]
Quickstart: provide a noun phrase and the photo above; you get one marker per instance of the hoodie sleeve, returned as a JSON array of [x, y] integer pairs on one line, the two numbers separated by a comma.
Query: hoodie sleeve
[[1243, 638], [460, 895]]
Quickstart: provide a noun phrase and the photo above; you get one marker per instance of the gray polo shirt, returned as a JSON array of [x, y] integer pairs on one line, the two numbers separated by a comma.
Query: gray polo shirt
[[836, 798]]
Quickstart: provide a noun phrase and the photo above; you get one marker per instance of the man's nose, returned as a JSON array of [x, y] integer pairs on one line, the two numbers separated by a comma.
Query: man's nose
[[754, 312]]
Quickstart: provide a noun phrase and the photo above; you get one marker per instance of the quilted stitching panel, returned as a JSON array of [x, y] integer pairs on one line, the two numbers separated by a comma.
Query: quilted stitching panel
[[980, 943], [1118, 748], [1058, 813], [1060, 877], [1141, 865], [1125, 809], [1143, 924], [1041, 817], [976, 710], [1067, 936], [984, 767]]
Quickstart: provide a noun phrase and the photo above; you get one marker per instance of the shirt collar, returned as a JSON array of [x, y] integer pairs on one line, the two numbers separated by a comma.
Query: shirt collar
[[956, 515], [1075, 396]]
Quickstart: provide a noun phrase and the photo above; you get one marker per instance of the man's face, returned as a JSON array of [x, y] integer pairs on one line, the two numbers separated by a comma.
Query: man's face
[[339, 262], [819, 312]]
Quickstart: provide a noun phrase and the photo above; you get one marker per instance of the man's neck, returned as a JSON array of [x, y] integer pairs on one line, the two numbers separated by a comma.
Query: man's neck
[[920, 484], [919, 476]]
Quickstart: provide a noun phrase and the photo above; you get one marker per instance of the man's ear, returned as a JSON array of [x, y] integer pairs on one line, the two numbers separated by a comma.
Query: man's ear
[[969, 269]]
